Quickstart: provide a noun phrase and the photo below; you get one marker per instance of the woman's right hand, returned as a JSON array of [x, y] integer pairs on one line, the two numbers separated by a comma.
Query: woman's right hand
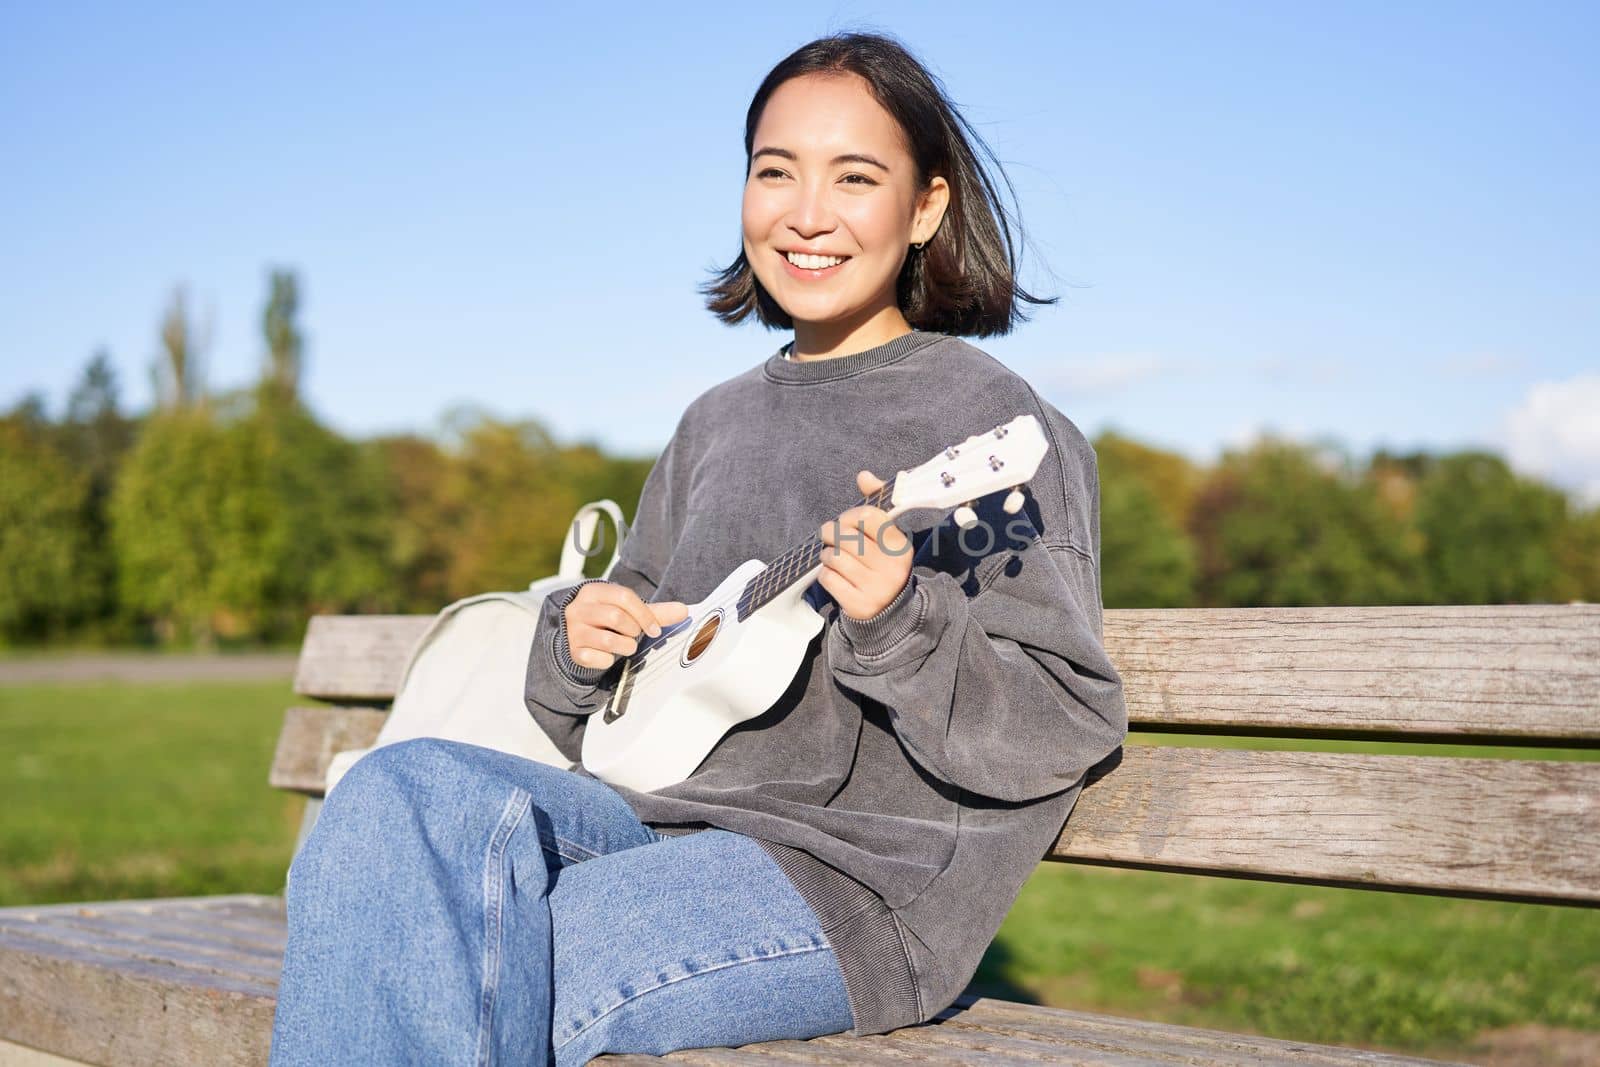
[[605, 619]]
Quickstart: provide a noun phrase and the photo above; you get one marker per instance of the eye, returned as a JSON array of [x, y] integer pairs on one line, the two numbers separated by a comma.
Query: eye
[[768, 171], [864, 179]]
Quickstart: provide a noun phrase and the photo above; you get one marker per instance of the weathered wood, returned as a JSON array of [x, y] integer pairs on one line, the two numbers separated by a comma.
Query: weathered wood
[[90, 1003], [1148, 1041], [107, 935], [356, 658], [1506, 673], [89, 982], [979, 1031], [1496, 829], [1524, 830], [103, 1009], [311, 737], [256, 938], [14, 1055]]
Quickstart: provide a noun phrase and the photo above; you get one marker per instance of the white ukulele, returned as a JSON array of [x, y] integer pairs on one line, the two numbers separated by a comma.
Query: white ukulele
[[738, 649]]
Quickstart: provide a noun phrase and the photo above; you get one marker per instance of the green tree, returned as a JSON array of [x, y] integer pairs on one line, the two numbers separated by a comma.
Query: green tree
[[46, 586], [240, 528], [1490, 535], [425, 520], [95, 437], [178, 373], [513, 499], [1577, 551], [165, 508], [1282, 524], [1146, 558], [1171, 477], [285, 344]]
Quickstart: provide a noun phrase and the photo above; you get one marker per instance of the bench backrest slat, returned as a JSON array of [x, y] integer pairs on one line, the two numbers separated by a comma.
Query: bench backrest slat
[[1496, 829], [356, 658], [1499, 829], [1506, 674]]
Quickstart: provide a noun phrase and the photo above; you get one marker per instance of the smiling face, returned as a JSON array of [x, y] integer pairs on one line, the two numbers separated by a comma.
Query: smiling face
[[831, 175]]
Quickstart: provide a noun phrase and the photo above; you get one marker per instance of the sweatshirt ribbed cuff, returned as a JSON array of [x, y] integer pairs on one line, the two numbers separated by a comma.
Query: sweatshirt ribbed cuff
[[899, 619], [561, 653]]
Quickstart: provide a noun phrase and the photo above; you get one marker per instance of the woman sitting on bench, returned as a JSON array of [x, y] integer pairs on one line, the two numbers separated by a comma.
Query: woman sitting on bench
[[840, 861]]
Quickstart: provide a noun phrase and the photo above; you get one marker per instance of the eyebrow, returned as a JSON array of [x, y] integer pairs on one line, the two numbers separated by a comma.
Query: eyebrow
[[848, 157]]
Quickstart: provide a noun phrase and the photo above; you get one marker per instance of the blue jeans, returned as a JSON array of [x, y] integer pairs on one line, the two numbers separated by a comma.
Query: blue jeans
[[458, 905]]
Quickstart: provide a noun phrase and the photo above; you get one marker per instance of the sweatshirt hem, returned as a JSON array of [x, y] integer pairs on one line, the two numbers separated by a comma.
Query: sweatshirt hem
[[879, 980]]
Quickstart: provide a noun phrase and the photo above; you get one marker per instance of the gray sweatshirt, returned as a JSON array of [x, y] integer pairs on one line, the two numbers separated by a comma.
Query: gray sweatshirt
[[922, 761]]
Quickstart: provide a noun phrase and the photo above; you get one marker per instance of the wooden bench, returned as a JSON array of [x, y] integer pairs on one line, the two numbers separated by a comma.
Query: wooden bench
[[192, 980]]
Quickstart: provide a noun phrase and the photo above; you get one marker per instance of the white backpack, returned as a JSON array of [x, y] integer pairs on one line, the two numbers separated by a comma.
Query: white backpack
[[465, 676]]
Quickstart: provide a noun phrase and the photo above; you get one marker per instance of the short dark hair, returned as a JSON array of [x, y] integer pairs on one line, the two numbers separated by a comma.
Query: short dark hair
[[964, 280]]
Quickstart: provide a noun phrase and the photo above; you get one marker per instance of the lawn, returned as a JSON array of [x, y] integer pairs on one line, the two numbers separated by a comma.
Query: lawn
[[123, 790]]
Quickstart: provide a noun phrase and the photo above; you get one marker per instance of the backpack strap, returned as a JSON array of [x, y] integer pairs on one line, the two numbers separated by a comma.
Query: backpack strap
[[585, 538]]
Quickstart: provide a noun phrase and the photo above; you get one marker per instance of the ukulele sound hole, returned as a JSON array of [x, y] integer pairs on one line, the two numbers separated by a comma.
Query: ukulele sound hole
[[702, 638]]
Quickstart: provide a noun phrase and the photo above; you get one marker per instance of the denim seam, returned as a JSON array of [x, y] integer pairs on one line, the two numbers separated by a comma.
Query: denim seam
[[578, 852], [517, 805], [824, 947]]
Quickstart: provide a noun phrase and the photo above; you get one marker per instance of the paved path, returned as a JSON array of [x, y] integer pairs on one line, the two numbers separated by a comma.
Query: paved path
[[147, 667]]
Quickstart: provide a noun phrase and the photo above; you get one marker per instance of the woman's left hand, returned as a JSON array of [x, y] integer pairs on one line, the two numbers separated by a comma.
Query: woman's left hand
[[868, 560]]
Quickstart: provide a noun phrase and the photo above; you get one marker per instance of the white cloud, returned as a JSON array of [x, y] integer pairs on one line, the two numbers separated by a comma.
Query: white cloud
[[1554, 433]]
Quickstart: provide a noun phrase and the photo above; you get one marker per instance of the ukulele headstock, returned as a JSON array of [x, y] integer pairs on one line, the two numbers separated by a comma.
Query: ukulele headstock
[[1002, 458]]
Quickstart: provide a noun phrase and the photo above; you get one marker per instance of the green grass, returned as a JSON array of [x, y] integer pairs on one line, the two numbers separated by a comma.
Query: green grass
[[114, 790], [117, 790], [1309, 963]]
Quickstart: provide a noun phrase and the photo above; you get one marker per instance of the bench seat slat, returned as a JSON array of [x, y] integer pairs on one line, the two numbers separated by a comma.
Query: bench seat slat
[[193, 947], [1149, 1041], [74, 1000], [1520, 673], [96, 1008]]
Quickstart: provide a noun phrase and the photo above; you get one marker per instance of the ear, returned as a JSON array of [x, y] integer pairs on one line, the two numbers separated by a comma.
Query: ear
[[931, 206]]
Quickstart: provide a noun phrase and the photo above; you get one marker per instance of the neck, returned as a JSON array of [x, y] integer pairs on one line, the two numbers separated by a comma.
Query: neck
[[800, 563], [843, 337]]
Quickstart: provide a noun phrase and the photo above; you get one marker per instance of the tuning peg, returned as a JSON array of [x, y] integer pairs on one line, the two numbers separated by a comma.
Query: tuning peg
[[1013, 502], [965, 517]]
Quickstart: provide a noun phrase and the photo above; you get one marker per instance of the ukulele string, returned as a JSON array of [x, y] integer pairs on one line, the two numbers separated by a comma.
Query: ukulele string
[[646, 664]]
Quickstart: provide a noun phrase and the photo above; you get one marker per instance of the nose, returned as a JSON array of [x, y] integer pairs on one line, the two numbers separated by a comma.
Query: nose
[[811, 213]]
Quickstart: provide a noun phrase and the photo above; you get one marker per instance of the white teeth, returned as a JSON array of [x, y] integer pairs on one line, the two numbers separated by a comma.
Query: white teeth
[[813, 262]]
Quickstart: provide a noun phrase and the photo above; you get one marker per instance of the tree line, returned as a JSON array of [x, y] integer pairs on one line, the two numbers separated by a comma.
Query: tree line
[[231, 517]]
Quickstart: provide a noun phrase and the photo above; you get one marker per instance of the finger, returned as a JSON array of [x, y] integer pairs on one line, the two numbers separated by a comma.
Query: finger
[[669, 612], [847, 531], [847, 565], [602, 640], [868, 482], [637, 616], [877, 526], [891, 538], [592, 658], [847, 596]]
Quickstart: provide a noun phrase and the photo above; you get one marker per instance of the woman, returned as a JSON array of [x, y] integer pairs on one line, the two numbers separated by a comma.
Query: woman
[[841, 861]]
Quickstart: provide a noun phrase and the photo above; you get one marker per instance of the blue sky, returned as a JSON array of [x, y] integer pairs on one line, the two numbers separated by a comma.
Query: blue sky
[[1370, 222]]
